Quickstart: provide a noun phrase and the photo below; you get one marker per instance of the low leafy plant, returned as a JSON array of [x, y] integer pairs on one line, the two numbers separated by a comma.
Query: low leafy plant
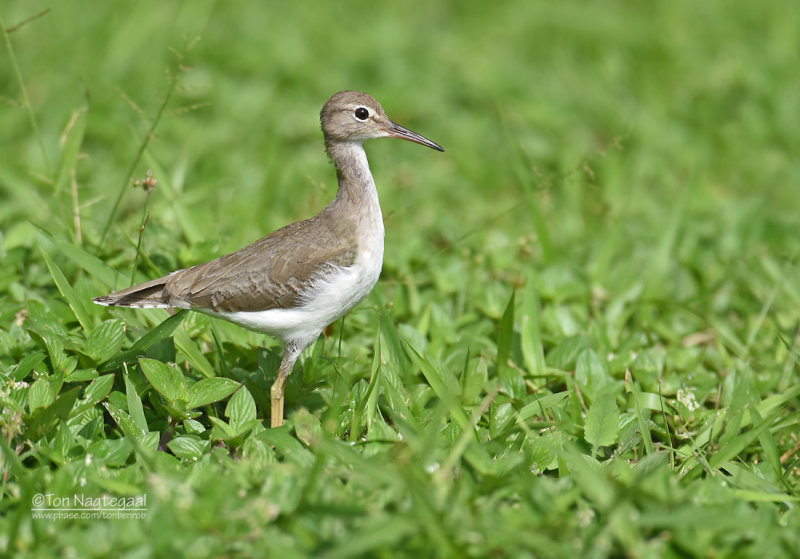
[[584, 342]]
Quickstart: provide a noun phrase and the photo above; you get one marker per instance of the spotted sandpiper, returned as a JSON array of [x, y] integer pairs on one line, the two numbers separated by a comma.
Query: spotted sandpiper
[[296, 281]]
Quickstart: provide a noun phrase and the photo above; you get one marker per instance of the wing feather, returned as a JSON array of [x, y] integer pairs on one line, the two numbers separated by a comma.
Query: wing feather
[[270, 273]]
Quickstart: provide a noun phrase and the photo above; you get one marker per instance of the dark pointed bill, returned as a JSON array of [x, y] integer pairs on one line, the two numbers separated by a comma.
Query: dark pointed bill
[[397, 131]]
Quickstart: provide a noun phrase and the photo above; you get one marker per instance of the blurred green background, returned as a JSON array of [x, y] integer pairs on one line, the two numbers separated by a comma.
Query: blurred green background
[[633, 164], [618, 108]]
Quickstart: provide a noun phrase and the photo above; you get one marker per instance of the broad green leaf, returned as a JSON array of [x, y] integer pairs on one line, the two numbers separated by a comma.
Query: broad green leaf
[[241, 408], [82, 375], [56, 382], [210, 390], [40, 395], [221, 431], [500, 419], [188, 447], [398, 405], [94, 392], [736, 393], [11, 462], [99, 388], [565, 354], [257, 452], [307, 426], [68, 365], [160, 332], [27, 364], [55, 349], [194, 427], [134, 402], [112, 452], [180, 412], [591, 373], [167, 380], [601, 422], [287, 445], [61, 443], [126, 424], [39, 423], [105, 340], [512, 382], [244, 428]]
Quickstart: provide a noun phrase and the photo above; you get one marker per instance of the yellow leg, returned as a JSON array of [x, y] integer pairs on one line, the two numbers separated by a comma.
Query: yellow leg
[[290, 355], [276, 398]]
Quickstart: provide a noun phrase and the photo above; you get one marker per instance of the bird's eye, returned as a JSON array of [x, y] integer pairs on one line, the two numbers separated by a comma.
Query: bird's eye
[[362, 113]]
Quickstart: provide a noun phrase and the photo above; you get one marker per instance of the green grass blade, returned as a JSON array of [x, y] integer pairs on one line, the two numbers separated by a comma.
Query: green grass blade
[[194, 231], [466, 436], [12, 57], [505, 333], [737, 444], [530, 332], [444, 386], [522, 172], [355, 425], [72, 141], [540, 405], [75, 303], [88, 262]]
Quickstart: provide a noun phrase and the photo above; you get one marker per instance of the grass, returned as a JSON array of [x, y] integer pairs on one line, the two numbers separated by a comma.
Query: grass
[[584, 341]]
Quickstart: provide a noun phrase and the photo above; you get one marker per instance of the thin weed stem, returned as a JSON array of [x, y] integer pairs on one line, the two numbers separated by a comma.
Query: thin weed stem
[[135, 163], [18, 75], [148, 184], [76, 210]]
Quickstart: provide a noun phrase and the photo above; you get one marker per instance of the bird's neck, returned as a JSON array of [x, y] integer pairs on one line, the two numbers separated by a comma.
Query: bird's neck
[[356, 185]]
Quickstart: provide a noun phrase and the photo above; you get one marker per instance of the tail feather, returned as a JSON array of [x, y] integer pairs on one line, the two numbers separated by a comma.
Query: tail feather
[[148, 295]]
